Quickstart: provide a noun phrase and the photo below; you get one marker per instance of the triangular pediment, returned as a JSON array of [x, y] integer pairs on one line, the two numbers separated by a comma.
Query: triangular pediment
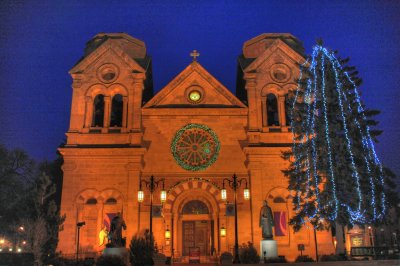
[[278, 47], [194, 80], [110, 46]]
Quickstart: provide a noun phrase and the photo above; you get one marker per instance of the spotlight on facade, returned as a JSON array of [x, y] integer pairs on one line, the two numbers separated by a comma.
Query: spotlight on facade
[[10, 249], [140, 195], [19, 250], [24, 242], [1, 250], [167, 234], [223, 231], [21, 228], [2, 241]]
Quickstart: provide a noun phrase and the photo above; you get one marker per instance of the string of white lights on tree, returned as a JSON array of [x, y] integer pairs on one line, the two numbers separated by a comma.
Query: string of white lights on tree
[[316, 128]]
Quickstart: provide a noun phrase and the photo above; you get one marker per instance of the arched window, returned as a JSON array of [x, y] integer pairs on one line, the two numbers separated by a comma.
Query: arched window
[[98, 111], [111, 201], [195, 207], [272, 110], [91, 201], [116, 111], [279, 200]]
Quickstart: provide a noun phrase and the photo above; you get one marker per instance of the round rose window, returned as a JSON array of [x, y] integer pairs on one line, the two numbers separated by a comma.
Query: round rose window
[[195, 147]]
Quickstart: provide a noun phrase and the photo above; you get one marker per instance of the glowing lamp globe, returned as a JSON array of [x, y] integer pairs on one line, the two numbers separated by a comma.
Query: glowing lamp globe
[[163, 196], [167, 234], [223, 231], [223, 194], [140, 196], [246, 194]]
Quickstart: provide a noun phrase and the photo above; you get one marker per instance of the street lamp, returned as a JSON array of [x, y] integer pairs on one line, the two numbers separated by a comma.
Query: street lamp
[[223, 231], [235, 184], [167, 234], [152, 185], [370, 236]]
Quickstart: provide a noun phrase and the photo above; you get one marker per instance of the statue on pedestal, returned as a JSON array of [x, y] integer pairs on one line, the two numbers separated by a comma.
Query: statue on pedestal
[[266, 221], [117, 224]]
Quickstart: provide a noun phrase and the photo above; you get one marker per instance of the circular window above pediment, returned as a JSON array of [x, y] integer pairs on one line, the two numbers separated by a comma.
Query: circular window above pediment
[[194, 94], [280, 73], [108, 73]]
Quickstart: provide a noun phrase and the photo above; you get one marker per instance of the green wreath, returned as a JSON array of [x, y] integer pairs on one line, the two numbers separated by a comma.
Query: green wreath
[[195, 147]]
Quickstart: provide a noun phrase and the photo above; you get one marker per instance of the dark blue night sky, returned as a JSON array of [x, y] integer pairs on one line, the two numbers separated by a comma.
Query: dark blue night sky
[[42, 40]]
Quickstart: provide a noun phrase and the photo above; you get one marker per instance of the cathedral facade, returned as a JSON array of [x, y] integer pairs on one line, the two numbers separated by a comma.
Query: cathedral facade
[[190, 136]]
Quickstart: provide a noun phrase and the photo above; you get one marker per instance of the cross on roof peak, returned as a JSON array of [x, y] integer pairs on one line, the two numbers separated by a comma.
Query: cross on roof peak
[[194, 54]]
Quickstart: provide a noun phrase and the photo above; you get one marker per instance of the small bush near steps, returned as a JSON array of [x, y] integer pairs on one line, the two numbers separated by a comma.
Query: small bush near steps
[[248, 254]]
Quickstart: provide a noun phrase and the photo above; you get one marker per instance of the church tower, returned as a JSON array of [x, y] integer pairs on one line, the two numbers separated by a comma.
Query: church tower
[[103, 154]]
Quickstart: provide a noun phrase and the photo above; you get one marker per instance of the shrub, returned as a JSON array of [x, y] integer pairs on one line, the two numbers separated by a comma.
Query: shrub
[[142, 250], [110, 260], [226, 256], [333, 257], [280, 259], [304, 259], [248, 254]]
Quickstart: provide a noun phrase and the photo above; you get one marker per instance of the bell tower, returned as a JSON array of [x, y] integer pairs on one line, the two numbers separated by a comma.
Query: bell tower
[[103, 156], [267, 71], [110, 83]]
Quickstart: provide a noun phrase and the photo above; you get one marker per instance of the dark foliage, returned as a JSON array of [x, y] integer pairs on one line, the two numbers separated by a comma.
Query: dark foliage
[[248, 253], [280, 259], [28, 189], [110, 261], [226, 256], [333, 257], [22, 259], [142, 249], [304, 259]]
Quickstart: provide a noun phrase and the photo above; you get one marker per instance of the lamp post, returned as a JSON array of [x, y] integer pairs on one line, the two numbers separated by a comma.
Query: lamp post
[[235, 184], [152, 185], [370, 236]]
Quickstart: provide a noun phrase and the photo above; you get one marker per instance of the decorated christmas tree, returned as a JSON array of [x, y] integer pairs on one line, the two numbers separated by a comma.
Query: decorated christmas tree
[[335, 174]]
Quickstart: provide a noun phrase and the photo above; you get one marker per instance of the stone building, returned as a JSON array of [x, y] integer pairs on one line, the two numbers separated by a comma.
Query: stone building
[[194, 133]]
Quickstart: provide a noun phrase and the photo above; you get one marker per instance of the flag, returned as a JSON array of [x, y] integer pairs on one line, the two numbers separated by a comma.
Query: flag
[[108, 218], [280, 223]]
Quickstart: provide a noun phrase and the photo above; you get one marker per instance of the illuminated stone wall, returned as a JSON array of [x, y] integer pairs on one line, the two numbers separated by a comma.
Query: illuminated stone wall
[[216, 135]]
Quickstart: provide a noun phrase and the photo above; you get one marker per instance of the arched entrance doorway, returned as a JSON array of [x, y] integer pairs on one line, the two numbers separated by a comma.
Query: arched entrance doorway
[[193, 211], [197, 227]]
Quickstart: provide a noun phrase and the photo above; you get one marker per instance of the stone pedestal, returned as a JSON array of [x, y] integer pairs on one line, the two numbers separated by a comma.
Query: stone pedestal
[[268, 249], [120, 252]]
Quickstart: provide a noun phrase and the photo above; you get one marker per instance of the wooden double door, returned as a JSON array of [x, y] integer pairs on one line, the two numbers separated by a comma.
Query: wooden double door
[[198, 234]]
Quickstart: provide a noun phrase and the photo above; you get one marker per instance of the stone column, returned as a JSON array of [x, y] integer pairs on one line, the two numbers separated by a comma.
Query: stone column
[[77, 119], [88, 112], [135, 102], [264, 111], [252, 100], [282, 111], [256, 191], [124, 112], [107, 114], [134, 172]]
